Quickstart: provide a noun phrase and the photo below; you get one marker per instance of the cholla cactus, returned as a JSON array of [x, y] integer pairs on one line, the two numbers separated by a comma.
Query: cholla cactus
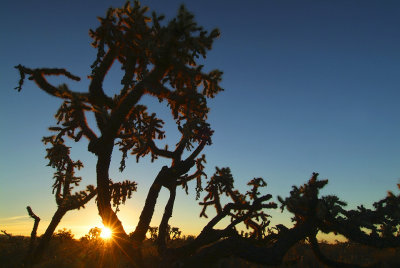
[[161, 60], [247, 208], [373, 227], [153, 233], [64, 177]]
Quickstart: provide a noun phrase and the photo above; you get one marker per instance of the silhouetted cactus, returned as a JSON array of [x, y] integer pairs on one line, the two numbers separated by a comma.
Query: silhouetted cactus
[[64, 182], [161, 60], [173, 233], [157, 59], [153, 233], [34, 229]]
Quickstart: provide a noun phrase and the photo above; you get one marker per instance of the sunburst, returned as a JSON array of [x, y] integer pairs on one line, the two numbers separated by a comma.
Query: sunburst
[[106, 233]]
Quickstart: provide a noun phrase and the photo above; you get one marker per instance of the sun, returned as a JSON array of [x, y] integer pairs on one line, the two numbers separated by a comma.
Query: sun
[[106, 233]]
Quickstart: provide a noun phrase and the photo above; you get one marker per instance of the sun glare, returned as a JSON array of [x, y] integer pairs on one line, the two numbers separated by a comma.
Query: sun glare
[[106, 233]]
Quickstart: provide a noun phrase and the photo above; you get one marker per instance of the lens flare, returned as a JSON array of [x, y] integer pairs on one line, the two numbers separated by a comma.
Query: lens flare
[[106, 233]]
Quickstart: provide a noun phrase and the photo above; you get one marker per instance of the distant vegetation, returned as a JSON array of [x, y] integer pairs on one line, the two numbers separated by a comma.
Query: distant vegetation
[[64, 252], [161, 60]]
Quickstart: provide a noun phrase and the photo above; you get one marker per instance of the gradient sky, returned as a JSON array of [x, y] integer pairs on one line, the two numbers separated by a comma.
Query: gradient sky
[[309, 86]]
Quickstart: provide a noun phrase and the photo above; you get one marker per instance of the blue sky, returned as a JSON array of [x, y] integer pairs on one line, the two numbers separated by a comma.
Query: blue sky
[[309, 86]]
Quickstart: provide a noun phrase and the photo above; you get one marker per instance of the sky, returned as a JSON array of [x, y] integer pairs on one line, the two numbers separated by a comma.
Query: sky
[[310, 86]]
